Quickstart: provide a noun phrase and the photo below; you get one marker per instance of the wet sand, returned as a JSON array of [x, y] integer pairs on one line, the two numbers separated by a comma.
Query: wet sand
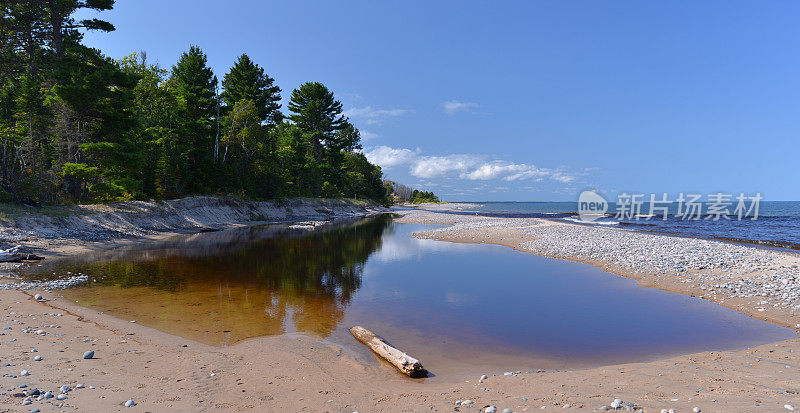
[[300, 373]]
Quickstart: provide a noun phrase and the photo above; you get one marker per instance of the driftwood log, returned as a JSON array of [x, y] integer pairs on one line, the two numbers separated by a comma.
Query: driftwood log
[[405, 363], [13, 255]]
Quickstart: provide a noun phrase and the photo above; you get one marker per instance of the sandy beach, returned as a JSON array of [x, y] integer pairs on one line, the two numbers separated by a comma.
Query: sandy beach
[[159, 371]]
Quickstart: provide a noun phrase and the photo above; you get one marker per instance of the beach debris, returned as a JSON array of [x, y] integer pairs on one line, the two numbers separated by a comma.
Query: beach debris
[[89, 354], [405, 363], [130, 403]]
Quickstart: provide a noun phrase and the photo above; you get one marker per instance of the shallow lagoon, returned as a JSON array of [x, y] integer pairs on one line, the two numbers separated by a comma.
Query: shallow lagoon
[[457, 307]]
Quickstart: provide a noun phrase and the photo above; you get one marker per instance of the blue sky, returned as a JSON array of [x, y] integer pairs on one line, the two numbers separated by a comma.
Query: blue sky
[[524, 100]]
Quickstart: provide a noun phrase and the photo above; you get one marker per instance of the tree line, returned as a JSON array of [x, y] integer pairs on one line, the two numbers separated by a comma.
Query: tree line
[[402, 193], [78, 126]]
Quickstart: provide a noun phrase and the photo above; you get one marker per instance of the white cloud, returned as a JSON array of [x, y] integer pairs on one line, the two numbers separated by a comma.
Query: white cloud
[[455, 106], [506, 171], [464, 166], [373, 116], [562, 177], [387, 157], [439, 166], [367, 135]]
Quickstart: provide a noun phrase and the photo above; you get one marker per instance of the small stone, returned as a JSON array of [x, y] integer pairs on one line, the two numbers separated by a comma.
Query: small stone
[[24, 373], [37, 358], [490, 409], [467, 402], [696, 410], [615, 404], [130, 403], [35, 410], [61, 396], [788, 407], [79, 386], [38, 297], [89, 354], [484, 377], [507, 410], [48, 395], [64, 389]]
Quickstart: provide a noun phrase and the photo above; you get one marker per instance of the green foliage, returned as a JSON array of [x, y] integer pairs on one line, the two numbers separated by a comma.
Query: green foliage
[[247, 80], [419, 197], [77, 126]]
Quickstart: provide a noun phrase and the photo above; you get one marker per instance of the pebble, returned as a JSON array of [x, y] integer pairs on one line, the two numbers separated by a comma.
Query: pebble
[[37, 358], [89, 354], [490, 409], [696, 410], [37, 297], [507, 410], [24, 373], [130, 403], [61, 396], [788, 407]]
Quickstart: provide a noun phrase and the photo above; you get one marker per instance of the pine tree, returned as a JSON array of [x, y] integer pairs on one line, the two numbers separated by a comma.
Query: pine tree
[[247, 80], [195, 87]]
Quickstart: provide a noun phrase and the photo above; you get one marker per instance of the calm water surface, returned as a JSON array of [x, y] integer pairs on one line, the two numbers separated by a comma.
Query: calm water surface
[[456, 307]]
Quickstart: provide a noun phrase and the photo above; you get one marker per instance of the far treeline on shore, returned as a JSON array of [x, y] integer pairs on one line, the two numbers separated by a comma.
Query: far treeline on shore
[[77, 126]]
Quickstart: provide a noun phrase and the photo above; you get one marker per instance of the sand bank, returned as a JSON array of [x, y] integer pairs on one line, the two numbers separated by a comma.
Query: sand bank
[[163, 372]]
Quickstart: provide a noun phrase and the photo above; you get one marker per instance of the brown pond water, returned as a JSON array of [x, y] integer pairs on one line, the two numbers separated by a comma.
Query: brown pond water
[[457, 307]]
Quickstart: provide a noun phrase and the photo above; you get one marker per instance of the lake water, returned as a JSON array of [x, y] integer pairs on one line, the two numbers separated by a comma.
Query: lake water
[[459, 308], [778, 223]]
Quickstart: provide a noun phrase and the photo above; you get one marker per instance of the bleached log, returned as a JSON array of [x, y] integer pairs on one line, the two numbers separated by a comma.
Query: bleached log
[[405, 363], [10, 255]]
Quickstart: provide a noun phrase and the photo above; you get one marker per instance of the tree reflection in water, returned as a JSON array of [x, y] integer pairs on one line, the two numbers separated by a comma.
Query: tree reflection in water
[[222, 287]]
